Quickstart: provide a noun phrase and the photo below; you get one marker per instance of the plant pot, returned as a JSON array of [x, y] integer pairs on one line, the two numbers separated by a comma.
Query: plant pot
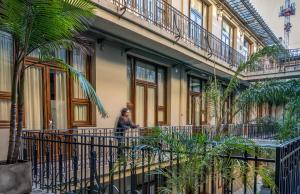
[[15, 178]]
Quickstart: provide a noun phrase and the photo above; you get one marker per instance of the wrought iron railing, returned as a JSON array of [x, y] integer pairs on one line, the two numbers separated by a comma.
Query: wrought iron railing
[[183, 28], [287, 176], [165, 16], [63, 162], [249, 131]]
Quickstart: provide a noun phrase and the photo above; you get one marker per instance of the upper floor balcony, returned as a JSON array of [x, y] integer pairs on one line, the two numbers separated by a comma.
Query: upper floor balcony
[[285, 65], [183, 30]]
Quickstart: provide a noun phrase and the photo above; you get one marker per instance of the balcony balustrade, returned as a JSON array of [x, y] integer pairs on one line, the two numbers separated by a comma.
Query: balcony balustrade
[[107, 161], [286, 61]]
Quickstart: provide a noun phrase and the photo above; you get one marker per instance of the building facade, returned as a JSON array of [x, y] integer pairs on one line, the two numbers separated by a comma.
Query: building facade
[[153, 56]]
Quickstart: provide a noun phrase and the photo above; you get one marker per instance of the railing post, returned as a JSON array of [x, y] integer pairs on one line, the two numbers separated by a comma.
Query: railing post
[[133, 170], [277, 168], [213, 184], [111, 169], [92, 165], [255, 171]]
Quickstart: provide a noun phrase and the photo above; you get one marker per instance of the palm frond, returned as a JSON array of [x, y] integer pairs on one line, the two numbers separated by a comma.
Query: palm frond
[[274, 91], [38, 23]]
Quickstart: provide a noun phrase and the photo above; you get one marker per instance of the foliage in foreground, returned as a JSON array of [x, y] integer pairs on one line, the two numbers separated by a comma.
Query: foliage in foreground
[[197, 155]]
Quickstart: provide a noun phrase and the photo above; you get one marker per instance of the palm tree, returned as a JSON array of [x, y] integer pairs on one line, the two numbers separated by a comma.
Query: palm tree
[[218, 99], [44, 26]]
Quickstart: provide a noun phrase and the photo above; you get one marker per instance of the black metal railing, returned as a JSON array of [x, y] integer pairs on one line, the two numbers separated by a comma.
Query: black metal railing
[[183, 28], [63, 162], [165, 16], [257, 131], [287, 175], [254, 131]]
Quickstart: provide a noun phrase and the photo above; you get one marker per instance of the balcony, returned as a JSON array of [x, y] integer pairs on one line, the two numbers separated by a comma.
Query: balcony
[[185, 31], [182, 29], [107, 161], [286, 64]]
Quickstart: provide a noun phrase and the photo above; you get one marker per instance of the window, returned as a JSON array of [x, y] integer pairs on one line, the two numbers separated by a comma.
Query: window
[[146, 92], [197, 102], [47, 92], [47, 103], [227, 39], [81, 112], [6, 67], [247, 48], [199, 16]]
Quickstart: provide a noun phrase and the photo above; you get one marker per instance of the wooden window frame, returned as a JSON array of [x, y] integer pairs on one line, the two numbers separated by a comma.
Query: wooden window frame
[[4, 124], [232, 32], [250, 49], [76, 101], [190, 94], [134, 81], [46, 98], [208, 16]]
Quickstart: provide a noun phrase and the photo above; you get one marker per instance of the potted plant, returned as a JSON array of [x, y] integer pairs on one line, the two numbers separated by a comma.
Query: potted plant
[[43, 26]]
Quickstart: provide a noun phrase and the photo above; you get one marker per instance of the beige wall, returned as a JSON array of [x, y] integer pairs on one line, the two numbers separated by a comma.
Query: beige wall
[[111, 85], [269, 10], [111, 82], [4, 134]]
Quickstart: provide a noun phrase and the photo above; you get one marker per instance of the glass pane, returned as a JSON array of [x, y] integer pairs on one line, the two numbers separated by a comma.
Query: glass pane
[[5, 110], [161, 116], [226, 28], [129, 80], [246, 48], [145, 72], [58, 94], [36, 53], [197, 5], [197, 110], [80, 112], [33, 98], [195, 85], [140, 105], [151, 107], [58, 53], [6, 54], [61, 54], [161, 87], [79, 63]]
